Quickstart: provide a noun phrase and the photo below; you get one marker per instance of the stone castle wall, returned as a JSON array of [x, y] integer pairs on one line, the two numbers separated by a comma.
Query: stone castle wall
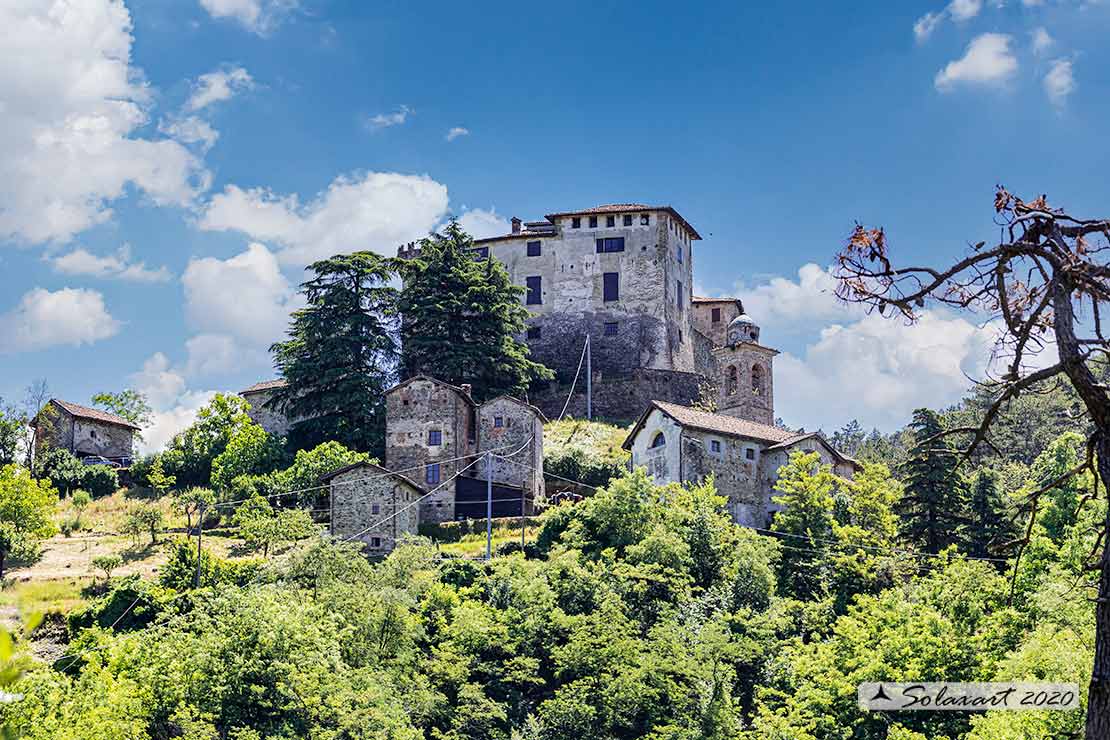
[[620, 398]]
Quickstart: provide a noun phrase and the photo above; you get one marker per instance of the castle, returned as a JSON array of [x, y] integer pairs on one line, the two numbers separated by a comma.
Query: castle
[[619, 275], [623, 275]]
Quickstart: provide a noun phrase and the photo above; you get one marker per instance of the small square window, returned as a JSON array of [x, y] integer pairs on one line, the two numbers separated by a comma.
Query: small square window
[[92, 433], [435, 437], [375, 508], [405, 402], [534, 332], [375, 542], [499, 421], [749, 453], [645, 219], [628, 219], [610, 221], [534, 249], [612, 328], [716, 316], [593, 222], [576, 222], [714, 445], [431, 473]]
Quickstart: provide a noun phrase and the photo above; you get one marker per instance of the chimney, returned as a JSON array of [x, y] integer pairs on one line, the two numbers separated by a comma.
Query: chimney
[[466, 388], [516, 225]]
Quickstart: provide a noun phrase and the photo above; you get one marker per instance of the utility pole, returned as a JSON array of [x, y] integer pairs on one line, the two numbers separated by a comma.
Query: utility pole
[[589, 382], [489, 505], [200, 533]]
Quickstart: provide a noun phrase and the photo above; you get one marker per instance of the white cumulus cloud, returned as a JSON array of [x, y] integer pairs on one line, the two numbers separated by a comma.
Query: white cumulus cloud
[[119, 266], [1042, 41], [245, 296], [71, 107], [258, 16], [374, 210], [217, 86], [456, 132], [175, 406], [878, 370], [963, 10], [925, 25], [988, 61], [1059, 83], [190, 130], [480, 223], [43, 318]]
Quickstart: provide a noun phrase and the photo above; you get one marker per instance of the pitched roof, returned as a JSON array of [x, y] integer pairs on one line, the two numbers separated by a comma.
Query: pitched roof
[[717, 423], [516, 400], [265, 385], [820, 438], [437, 381], [84, 412], [703, 299], [377, 470]]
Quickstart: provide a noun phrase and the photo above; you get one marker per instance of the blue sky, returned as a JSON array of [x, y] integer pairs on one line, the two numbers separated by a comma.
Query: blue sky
[[171, 166]]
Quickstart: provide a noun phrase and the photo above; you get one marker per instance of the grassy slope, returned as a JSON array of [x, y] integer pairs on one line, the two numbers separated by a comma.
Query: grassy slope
[[595, 437]]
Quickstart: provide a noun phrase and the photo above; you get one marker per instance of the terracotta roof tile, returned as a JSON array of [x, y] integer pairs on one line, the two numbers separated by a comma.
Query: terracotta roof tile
[[84, 412], [722, 424]]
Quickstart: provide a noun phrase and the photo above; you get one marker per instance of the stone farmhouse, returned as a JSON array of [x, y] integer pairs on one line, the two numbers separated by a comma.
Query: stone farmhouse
[[84, 431], [371, 505], [259, 396]]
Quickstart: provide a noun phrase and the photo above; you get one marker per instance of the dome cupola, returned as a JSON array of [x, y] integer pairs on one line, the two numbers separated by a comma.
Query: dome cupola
[[743, 329]]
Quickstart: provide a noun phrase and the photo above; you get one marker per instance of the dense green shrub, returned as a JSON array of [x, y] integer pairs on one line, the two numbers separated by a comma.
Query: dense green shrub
[[99, 480], [179, 572]]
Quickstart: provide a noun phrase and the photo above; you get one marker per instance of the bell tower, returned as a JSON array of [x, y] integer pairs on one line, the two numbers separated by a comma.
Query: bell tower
[[745, 378]]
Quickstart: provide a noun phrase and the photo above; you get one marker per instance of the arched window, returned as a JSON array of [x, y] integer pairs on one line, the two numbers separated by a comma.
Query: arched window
[[757, 380], [732, 380], [658, 440]]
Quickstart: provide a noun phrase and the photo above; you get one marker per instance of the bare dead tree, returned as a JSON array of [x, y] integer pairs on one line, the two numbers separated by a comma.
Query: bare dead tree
[[1046, 285]]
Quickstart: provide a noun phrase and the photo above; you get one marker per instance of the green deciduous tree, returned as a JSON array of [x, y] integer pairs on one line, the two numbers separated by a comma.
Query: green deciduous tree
[[263, 527], [130, 404], [461, 317], [158, 479], [26, 507], [250, 451], [192, 502], [190, 454], [106, 564], [933, 507], [142, 518], [341, 354], [805, 491]]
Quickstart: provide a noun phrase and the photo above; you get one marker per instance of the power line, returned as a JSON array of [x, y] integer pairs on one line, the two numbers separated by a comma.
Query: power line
[[574, 383]]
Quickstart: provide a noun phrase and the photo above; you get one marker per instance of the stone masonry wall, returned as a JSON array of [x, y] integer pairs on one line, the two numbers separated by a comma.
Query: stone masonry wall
[[520, 429], [362, 497], [620, 398], [736, 477], [412, 411], [741, 399], [274, 422]]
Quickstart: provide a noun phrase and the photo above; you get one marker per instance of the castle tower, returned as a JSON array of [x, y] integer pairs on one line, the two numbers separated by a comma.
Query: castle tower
[[745, 378]]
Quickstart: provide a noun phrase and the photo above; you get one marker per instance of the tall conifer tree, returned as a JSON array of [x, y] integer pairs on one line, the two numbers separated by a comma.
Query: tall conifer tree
[[341, 354], [461, 319], [933, 504], [988, 527]]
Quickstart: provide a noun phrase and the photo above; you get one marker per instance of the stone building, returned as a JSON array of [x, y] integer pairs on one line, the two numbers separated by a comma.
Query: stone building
[[372, 505], [742, 369], [512, 429], [431, 432], [620, 273], [258, 396], [84, 431], [678, 444]]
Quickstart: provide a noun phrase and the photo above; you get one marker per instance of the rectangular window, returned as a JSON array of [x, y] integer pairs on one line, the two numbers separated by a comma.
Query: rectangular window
[[535, 290], [678, 294], [611, 328], [749, 453], [645, 219], [499, 421], [593, 222], [481, 253], [375, 508], [628, 219], [431, 473], [610, 221], [534, 332], [714, 445], [678, 254], [612, 244], [375, 542], [534, 249], [716, 316], [435, 437], [611, 286], [576, 222]]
